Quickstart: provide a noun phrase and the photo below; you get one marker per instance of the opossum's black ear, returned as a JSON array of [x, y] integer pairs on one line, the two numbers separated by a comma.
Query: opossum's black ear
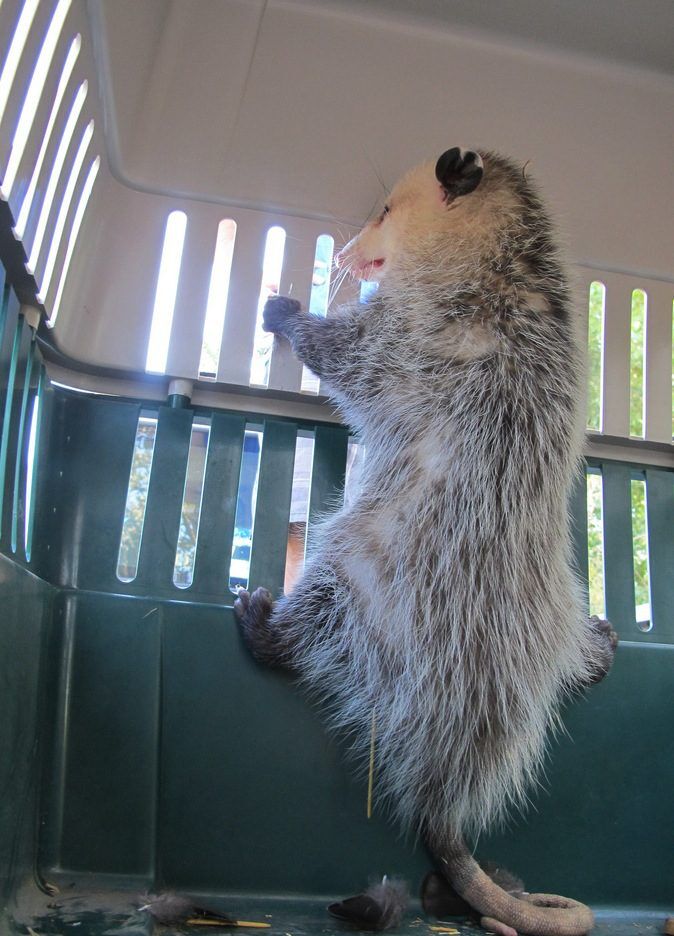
[[459, 171]]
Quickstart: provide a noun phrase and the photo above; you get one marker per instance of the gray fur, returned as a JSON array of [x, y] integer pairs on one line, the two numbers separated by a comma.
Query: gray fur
[[442, 597]]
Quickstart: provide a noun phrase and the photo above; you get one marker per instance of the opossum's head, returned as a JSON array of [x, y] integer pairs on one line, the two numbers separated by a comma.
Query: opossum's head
[[439, 215]]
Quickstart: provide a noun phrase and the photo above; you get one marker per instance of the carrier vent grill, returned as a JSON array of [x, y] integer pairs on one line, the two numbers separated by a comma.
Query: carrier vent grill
[[272, 265], [165, 293], [136, 498], [595, 349], [595, 543], [33, 95], [630, 390], [55, 177], [27, 201], [190, 515], [319, 298], [637, 363], [642, 575], [217, 299]]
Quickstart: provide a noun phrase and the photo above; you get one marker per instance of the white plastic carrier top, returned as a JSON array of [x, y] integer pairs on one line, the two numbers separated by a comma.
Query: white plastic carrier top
[[147, 147]]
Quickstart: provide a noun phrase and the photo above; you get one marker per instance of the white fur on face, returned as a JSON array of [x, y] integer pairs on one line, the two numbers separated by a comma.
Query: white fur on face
[[416, 206]]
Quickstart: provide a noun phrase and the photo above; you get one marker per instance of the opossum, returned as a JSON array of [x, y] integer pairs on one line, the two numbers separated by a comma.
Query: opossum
[[441, 603]]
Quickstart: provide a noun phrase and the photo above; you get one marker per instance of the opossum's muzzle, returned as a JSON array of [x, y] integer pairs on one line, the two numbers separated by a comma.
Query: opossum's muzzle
[[357, 266]]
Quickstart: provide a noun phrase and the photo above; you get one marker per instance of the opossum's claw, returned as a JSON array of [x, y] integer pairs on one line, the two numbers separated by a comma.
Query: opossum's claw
[[381, 907], [255, 605], [241, 603], [253, 612], [495, 926], [277, 310], [605, 629], [607, 641]]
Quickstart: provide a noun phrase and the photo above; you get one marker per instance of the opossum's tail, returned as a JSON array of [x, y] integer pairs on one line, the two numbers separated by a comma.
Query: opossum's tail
[[503, 913]]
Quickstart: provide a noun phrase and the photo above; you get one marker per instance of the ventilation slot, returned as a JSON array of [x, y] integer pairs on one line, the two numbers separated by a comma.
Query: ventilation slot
[[7, 416], [15, 52], [299, 509], [55, 175], [72, 239], [27, 202], [642, 579], [595, 543], [217, 300], [595, 355], [64, 209], [239, 569], [33, 95], [4, 301], [320, 297], [272, 266], [19, 505], [637, 359], [32, 465], [367, 290], [136, 499], [165, 295], [183, 571]]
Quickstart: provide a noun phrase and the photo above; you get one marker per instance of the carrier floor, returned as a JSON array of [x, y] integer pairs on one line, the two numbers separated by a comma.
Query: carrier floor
[[85, 910]]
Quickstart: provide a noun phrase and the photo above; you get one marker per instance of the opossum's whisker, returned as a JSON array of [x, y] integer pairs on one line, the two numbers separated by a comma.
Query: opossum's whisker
[[373, 210], [336, 283], [337, 280], [344, 238], [376, 171], [340, 279]]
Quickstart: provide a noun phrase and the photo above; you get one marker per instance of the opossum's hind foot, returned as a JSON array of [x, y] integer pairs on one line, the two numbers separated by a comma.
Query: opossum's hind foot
[[607, 642], [381, 907], [257, 629], [439, 899], [495, 926]]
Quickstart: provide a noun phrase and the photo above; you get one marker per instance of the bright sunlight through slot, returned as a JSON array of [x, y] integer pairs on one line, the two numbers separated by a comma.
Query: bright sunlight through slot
[[165, 295]]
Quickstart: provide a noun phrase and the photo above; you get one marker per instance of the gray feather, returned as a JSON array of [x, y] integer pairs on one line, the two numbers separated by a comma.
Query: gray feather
[[391, 895]]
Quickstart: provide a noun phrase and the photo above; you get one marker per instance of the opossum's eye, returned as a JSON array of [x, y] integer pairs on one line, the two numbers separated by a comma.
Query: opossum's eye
[[386, 210], [459, 171]]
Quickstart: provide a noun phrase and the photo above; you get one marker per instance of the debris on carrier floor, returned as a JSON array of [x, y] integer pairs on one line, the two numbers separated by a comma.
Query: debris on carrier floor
[[84, 909]]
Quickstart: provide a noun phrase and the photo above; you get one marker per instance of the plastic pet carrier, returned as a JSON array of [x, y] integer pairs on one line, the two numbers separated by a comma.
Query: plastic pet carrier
[[165, 166]]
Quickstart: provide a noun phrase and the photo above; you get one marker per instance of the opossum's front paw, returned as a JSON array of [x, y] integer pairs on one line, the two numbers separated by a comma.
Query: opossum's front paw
[[607, 643], [277, 310], [260, 636], [252, 612]]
